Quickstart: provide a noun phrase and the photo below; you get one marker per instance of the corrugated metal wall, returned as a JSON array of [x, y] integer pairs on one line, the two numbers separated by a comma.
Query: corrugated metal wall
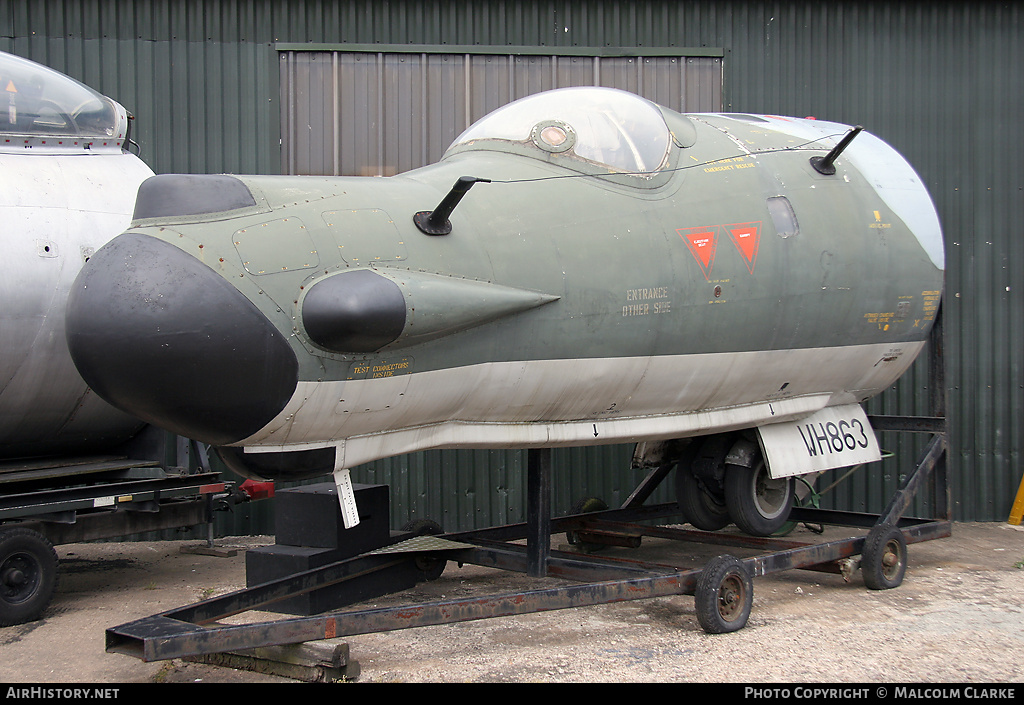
[[382, 112], [940, 81]]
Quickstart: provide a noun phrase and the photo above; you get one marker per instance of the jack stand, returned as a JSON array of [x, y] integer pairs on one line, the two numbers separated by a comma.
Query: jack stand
[[209, 549]]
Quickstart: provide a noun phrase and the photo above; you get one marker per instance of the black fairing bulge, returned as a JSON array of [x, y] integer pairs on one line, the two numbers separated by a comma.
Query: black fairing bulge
[[158, 334]]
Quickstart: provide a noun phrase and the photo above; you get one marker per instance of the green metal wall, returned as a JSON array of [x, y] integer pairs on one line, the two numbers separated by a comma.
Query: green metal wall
[[370, 110], [940, 81]]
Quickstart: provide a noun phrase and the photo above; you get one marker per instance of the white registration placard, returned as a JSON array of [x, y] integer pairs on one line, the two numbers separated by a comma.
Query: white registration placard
[[835, 437]]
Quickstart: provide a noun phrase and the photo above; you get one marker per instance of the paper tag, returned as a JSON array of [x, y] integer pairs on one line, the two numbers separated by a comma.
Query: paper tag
[[346, 497]]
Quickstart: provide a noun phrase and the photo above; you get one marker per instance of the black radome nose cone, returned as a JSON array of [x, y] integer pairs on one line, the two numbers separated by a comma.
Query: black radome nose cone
[[160, 335]]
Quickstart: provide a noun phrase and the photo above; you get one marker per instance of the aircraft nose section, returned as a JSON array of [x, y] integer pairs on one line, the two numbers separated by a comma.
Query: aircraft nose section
[[160, 335]]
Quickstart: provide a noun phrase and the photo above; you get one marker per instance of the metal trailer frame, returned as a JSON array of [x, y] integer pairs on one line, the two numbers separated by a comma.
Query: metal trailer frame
[[197, 630], [113, 507], [50, 502]]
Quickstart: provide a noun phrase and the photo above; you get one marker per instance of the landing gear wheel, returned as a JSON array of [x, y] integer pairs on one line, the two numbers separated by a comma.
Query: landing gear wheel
[[724, 595], [585, 506], [430, 566], [788, 526], [28, 575], [757, 504], [811, 499], [698, 506], [884, 559]]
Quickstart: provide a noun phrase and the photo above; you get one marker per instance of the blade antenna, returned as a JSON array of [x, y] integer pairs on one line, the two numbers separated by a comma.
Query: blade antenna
[[436, 222], [826, 165]]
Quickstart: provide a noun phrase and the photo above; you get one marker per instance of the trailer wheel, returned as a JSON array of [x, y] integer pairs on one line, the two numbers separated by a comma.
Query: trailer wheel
[[585, 506], [758, 504], [884, 558], [724, 595], [28, 575], [698, 506], [429, 565]]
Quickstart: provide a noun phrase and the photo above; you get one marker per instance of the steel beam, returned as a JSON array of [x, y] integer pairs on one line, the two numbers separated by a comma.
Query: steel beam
[[538, 510]]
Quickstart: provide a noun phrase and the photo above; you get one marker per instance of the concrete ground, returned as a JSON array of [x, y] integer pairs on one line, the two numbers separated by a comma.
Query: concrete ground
[[958, 617]]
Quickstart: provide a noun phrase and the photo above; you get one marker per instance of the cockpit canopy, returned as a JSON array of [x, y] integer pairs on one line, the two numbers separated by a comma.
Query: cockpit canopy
[[608, 128], [37, 102]]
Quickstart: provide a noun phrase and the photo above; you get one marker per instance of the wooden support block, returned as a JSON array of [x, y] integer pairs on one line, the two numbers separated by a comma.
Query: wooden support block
[[323, 661]]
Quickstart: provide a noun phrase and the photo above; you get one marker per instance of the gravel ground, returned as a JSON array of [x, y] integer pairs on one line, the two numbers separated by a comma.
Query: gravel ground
[[958, 617]]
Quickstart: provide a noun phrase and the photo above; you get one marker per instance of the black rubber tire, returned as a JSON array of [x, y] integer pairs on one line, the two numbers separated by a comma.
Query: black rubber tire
[[585, 506], [787, 528], [423, 527], [724, 595], [28, 575], [697, 505], [883, 562], [757, 504], [429, 565]]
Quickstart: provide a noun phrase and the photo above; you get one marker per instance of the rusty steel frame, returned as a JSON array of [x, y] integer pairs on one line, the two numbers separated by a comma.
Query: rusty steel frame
[[197, 629]]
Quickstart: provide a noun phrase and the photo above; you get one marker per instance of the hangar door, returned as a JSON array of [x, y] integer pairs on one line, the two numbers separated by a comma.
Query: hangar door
[[350, 112]]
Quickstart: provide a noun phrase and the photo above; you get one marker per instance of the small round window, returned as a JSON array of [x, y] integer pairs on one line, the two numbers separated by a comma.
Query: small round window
[[553, 136]]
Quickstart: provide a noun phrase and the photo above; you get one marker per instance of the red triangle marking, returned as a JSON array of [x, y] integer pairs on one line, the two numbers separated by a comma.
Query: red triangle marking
[[702, 243], [747, 238]]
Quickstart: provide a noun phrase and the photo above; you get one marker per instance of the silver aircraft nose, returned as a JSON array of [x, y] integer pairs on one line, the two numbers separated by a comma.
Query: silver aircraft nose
[[160, 335]]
